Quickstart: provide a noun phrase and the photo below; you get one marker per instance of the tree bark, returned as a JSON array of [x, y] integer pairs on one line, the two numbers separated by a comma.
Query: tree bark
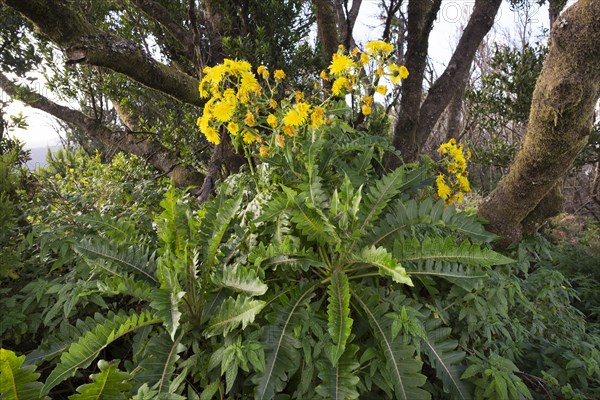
[[560, 121], [84, 43], [446, 86], [417, 120], [153, 152], [328, 28], [421, 15]]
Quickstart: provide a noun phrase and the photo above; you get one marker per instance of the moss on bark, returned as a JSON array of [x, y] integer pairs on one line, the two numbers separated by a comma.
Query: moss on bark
[[560, 121]]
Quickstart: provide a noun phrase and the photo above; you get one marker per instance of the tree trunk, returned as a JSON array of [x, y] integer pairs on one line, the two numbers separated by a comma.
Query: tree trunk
[[560, 121], [421, 15], [416, 121]]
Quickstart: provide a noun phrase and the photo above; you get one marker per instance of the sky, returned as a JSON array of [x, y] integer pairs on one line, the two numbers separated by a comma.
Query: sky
[[452, 17]]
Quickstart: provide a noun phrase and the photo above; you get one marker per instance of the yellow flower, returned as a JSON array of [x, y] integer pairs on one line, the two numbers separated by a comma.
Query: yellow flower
[[338, 85], [381, 89], [379, 46], [263, 71], [463, 183], [288, 130], [237, 67], [279, 74], [212, 135], [249, 137], [366, 110], [340, 64], [249, 120], [397, 73], [367, 100], [324, 75], [380, 71], [273, 104], [444, 190], [233, 128], [298, 95], [316, 118], [302, 109], [224, 110], [272, 121], [292, 118], [280, 140], [263, 151], [364, 58], [355, 52]]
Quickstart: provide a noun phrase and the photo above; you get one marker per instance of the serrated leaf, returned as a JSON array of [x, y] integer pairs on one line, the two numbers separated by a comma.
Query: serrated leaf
[[445, 359], [81, 353], [159, 362], [403, 368], [17, 382], [166, 304], [240, 279], [382, 259], [282, 356], [233, 313], [109, 384], [338, 313], [340, 382]]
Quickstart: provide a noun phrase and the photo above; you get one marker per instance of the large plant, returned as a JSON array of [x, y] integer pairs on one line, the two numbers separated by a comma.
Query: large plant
[[314, 275]]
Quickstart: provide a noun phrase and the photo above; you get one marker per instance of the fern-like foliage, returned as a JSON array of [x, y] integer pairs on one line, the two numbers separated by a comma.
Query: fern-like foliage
[[113, 259], [401, 366], [384, 190], [165, 302], [341, 381], [82, 352], [18, 382], [240, 279], [384, 260], [215, 221], [282, 355], [159, 363], [338, 312], [233, 313], [444, 258], [109, 384], [445, 359]]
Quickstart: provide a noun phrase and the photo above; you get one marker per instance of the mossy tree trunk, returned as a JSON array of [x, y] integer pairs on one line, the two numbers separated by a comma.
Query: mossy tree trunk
[[561, 118]]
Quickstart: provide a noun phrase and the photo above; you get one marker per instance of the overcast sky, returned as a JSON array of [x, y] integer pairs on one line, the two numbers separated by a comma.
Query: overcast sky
[[452, 16]]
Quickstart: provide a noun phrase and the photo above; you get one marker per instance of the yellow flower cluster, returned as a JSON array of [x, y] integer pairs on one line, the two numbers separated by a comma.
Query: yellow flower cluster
[[345, 70], [452, 187], [248, 105]]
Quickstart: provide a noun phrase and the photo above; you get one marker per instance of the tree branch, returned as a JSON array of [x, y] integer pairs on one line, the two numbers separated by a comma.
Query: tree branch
[[84, 43], [441, 92], [157, 155], [161, 15]]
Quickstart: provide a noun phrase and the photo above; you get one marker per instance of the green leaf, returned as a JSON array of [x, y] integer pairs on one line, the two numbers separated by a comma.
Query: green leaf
[[382, 259], [240, 279], [445, 359], [282, 356], [109, 384], [81, 353], [401, 365], [119, 260], [17, 382], [159, 362], [174, 222], [166, 303], [444, 258], [340, 382], [310, 221], [338, 312], [215, 222], [385, 189], [233, 313]]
